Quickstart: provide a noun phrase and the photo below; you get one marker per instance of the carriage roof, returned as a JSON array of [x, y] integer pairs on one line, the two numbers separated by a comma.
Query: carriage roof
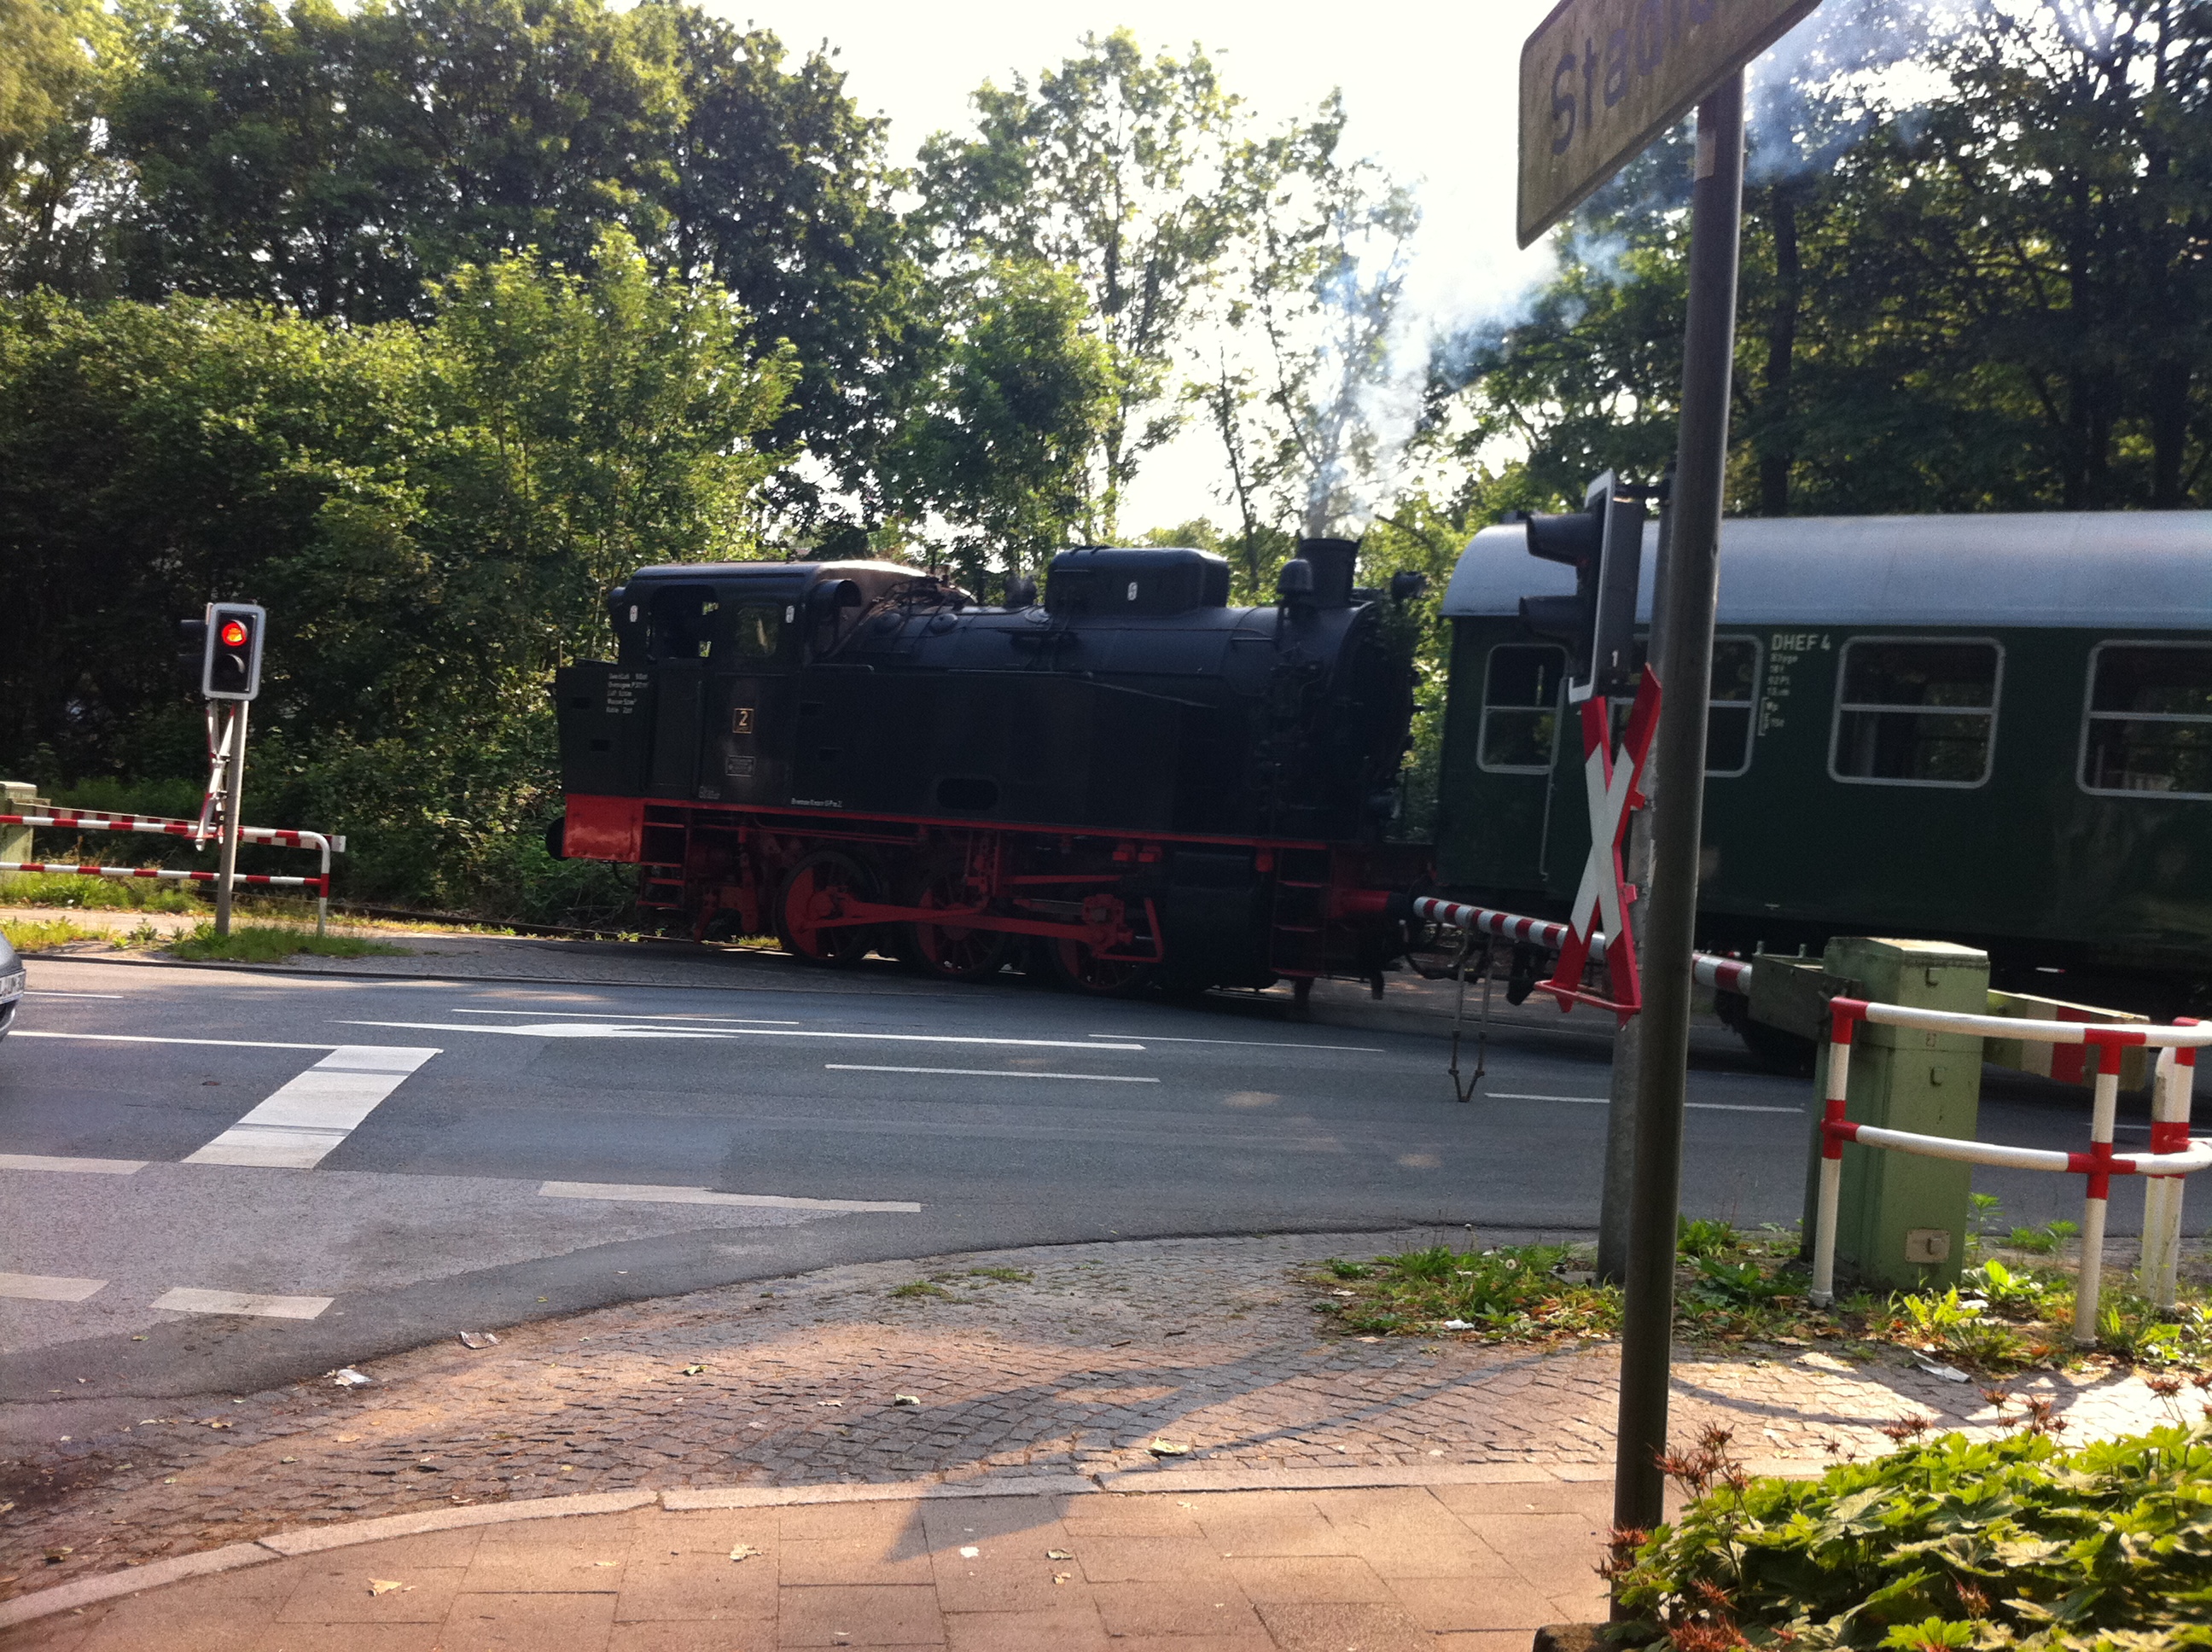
[[2149, 570]]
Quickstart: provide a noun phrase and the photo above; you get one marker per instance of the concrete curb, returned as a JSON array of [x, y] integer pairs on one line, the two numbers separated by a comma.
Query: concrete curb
[[317, 1540]]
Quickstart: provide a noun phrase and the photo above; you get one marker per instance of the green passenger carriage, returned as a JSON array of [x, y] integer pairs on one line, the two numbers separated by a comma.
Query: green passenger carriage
[[1996, 730]]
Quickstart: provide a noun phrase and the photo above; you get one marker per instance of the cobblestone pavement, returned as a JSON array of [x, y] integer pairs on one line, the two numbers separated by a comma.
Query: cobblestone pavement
[[1050, 1360]]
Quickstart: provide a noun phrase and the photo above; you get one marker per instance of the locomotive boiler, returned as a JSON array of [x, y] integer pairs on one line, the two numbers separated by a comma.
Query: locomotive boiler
[[1128, 784]]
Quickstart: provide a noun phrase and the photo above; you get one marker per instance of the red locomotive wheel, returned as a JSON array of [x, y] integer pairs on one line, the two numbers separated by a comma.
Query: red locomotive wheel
[[816, 890], [950, 951], [1075, 966]]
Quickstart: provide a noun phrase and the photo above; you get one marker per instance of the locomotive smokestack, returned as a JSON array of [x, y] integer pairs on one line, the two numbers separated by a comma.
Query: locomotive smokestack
[[1332, 561]]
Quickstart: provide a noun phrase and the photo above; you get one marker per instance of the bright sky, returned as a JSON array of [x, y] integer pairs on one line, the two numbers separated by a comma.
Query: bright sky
[[1429, 90]]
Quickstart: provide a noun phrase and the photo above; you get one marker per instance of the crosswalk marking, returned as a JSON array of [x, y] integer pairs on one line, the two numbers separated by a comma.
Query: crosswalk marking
[[183, 1300], [99, 1167], [47, 1287], [296, 1128], [630, 1190]]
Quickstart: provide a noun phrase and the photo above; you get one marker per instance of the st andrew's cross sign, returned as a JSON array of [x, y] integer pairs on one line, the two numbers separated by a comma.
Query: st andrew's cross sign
[[1600, 79]]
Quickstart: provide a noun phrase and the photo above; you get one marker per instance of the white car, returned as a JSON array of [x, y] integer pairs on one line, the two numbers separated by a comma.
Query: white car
[[11, 985]]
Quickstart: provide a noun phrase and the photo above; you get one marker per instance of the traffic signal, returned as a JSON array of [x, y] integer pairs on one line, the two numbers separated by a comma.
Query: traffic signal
[[233, 671], [191, 649], [1603, 543]]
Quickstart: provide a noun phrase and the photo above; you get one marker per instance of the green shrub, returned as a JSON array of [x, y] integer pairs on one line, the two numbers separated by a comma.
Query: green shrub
[[2046, 1241], [267, 944], [1998, 1544], [56, 889], [37, 937]]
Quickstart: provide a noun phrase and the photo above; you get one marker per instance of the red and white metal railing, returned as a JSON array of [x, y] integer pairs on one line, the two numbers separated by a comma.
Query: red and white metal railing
[[76, 821], [1727, 974], [2172, 1154]]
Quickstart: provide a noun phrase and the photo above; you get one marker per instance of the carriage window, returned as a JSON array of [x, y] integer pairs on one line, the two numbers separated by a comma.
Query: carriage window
[[1520, 708], [1728, 714], [1728, 711], [1912, 712], [2150, 721]]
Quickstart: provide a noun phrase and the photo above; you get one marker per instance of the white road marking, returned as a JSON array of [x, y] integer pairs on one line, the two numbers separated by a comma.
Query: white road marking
[[48, 992], [1249, 1043], [145, 1038], [99, 1167], [706, 1196], [989, 1072], [601, 1015], [46, 1287], [1602, 1100], [299, 1126], [185, 1300], [620, 1028]]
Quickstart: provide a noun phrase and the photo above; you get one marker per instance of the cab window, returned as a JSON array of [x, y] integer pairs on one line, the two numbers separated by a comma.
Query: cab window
[[1915, 712], [1519, 708], [755, 632], [684, 620], [2149, 720]]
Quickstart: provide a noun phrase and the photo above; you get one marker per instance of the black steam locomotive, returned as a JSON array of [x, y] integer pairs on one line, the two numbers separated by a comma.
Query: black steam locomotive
[[1131, 784]]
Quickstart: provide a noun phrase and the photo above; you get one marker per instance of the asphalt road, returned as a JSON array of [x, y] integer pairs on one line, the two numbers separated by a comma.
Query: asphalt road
[[215, 1181]]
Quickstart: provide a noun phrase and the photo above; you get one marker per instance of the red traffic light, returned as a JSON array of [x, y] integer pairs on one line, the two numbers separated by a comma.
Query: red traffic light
[[234, 633]]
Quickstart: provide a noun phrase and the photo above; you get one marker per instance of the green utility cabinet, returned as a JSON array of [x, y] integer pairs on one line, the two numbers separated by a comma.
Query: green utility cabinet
[[1901, 1223]]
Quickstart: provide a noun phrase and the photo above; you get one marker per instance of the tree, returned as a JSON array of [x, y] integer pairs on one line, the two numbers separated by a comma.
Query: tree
[[58, 59], [1998, 299], [1122, 170], [998, 449], [432, 512]]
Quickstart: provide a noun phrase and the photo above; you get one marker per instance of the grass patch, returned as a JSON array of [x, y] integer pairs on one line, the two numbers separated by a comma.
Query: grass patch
[[266, 943], [52, 888], [37, 937], [1732, 1288], [2008, 1543], [1004, 1275], [920, 1288]]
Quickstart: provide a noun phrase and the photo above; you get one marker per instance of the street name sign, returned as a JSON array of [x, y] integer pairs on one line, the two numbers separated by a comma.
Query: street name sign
[[1600, 79]]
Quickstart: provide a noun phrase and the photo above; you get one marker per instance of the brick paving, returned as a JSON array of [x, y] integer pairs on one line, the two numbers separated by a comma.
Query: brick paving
[[1051, 1361]]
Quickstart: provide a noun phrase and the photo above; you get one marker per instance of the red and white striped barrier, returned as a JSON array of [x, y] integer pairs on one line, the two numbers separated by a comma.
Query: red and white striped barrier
[[2172, 1154], [74, 869], [1726, 975], [167, 826]]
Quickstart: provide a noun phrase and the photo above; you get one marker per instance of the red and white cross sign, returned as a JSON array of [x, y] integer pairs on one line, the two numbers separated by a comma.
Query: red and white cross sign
[[1602, 902]]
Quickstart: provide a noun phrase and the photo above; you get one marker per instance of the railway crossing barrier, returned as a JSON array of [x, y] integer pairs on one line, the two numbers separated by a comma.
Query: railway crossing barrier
[[1905, 1079], [2172, 1154], [76, 821]]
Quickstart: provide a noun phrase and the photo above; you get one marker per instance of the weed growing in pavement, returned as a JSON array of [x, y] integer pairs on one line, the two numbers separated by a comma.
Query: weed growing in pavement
[[267, 944], [2005, 1317], [1003, 1275], [2046, 1241], [26, 937], [921, 1288], [1704, 1235]]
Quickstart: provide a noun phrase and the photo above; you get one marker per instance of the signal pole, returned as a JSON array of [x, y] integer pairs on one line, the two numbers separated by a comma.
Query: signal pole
[[1686, 672], [234, 784]]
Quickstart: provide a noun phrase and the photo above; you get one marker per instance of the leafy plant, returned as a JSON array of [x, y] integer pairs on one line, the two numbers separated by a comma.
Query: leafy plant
[[1349, 1270], [1742, 1282], [1706, 1235], [37, 937], [1943, 1543], [2004, 1288]]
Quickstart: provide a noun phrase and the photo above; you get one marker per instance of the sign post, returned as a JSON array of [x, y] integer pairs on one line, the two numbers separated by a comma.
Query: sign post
[[1600, 79]]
